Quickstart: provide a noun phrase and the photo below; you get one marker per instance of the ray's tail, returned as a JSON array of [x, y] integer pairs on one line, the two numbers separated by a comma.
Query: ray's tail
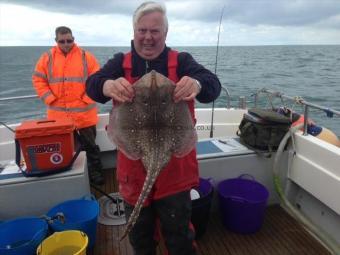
[[147, 186]]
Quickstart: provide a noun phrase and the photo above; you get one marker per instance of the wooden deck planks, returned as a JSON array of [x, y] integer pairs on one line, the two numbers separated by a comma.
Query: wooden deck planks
[[280, 235]]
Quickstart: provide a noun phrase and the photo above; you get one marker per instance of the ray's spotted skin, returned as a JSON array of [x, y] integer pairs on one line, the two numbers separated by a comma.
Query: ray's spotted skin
[[152, 128]]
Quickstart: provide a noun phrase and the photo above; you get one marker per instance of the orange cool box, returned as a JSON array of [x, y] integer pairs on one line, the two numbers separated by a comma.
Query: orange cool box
[[47, 145]]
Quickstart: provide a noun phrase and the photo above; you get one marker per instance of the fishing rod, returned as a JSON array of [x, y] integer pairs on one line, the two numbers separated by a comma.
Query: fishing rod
[[217, 47]]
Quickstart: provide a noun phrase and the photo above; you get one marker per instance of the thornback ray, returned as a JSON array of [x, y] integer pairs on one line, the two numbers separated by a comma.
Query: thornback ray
[[152, 128]]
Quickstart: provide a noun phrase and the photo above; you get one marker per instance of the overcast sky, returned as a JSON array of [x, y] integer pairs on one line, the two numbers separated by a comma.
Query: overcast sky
[[191, 23]]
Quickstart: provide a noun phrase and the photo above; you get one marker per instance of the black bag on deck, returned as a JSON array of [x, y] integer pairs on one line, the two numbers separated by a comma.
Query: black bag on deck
[[263, 129]]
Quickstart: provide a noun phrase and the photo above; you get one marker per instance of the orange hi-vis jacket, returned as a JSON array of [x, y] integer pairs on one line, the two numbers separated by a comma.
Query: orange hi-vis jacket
[[59, 81]]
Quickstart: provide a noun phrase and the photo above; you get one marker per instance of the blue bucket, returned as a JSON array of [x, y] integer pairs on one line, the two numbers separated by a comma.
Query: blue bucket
[[22, 235], [242, 203], [79, 214], [201, 207]]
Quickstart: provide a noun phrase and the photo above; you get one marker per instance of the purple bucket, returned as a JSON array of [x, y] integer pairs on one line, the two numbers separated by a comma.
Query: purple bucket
[[242, 203], [201, 207]]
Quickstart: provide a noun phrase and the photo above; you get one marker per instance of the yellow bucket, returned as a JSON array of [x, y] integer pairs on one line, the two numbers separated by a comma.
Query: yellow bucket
[[70, 242]]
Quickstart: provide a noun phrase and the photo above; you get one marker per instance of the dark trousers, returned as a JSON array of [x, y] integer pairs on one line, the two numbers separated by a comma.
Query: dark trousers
[[87, 137], [174, 213]]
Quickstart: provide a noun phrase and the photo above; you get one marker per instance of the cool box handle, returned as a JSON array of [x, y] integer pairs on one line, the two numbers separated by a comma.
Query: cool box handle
[[17, 153], [89, 197], [45, 121], [246, 175]]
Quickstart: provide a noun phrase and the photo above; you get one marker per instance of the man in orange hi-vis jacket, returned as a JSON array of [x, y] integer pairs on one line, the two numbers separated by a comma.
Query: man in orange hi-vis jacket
[[59, 80]]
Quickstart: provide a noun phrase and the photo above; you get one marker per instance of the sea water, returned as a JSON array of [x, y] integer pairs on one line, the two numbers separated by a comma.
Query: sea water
[[311, 72]]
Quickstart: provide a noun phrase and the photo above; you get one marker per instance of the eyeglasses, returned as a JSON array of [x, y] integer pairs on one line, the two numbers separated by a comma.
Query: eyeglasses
[[66, 41]]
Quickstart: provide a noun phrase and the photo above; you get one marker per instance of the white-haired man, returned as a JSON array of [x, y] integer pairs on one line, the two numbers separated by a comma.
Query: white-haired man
[[170, 198]]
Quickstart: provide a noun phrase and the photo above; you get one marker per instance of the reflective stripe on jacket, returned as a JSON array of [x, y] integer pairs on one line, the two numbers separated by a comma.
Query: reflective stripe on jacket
[[59, 81], [180, 174]]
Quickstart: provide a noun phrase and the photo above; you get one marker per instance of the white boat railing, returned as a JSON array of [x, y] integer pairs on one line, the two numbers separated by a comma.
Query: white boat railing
[[224, 89], [18, 97], [242, 102]]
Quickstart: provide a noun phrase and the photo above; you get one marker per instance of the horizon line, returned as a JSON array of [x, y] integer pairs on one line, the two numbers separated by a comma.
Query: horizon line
[[127, 46]]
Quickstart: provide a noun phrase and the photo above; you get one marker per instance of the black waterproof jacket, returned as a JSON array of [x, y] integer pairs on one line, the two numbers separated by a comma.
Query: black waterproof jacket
[[187, 66]]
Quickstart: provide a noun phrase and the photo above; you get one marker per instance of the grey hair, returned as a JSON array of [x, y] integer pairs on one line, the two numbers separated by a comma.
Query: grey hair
[[149, 7]]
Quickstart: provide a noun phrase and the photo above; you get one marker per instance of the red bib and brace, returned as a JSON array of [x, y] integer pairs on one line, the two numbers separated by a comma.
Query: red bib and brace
[[179, 175]]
